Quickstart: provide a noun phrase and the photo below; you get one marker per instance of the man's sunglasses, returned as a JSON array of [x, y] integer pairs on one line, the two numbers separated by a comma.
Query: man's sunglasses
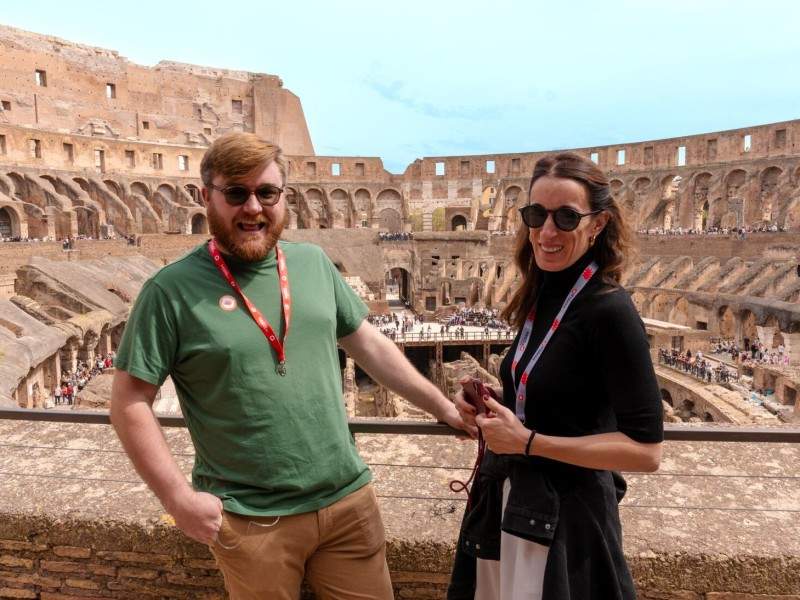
[[565, 218], [236, 195]]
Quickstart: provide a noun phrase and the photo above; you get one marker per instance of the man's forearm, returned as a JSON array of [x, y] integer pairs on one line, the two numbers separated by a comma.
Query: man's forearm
[[141, 436]]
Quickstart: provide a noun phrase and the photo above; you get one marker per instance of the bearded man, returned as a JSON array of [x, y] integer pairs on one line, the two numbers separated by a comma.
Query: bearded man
[[247, 326]]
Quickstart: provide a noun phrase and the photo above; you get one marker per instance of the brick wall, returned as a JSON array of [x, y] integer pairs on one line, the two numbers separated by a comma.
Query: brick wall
[[71, 560], [44, 559]]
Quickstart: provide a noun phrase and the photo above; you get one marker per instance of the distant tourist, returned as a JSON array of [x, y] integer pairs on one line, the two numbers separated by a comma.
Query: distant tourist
[[278, 490], [543, 521]]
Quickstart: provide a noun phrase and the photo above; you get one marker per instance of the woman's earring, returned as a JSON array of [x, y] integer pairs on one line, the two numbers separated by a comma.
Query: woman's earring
[[591, 240]]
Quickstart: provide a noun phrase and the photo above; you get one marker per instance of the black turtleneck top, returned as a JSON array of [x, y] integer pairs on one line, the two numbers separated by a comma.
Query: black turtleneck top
[[595, 375]]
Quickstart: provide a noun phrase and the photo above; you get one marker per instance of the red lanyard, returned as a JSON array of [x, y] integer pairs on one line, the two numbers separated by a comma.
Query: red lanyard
[[263, 324]]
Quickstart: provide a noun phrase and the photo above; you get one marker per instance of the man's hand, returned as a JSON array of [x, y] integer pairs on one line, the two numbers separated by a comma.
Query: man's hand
[[502, 430], [465, 410], [198, 515], [453, 417]]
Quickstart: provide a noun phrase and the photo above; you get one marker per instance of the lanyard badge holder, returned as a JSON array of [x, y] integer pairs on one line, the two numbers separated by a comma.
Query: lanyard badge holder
[[286, 302]]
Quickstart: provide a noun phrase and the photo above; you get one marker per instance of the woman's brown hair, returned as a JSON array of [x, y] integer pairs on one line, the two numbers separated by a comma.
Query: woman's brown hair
[[611, 248]]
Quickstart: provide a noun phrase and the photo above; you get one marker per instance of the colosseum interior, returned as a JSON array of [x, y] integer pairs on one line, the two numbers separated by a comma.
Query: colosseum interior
[[99, 187]]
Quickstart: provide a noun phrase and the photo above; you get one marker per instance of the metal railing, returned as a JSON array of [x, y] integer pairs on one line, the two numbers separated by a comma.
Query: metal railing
[[672, 431]]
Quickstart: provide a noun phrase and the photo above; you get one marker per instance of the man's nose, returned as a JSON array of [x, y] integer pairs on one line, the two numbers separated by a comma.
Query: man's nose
[[252, 206]]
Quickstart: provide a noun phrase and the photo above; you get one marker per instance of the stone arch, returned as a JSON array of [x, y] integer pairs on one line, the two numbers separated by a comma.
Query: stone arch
[[660, 307], [733, 201], [41, 223], [88, 220], [315, 201], [194, 192], [458, 223], [114, 187], [137, 187], [512, 201], [340, 206], [294, 218], [199, 223], [642, 184], [363, 207], [727, 322], [700, 202], [665, 214], [390, 220], [667, 397], [680, 312], [767, 194], [10, 221], [167, 190], [389, 198], [20, 188]]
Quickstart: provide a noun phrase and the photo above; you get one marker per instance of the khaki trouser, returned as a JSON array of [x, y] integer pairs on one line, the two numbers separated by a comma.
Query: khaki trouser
[[340, 550]]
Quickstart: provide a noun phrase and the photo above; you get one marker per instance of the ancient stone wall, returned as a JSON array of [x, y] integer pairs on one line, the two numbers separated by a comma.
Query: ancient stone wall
[[54, 85], [75, 115]]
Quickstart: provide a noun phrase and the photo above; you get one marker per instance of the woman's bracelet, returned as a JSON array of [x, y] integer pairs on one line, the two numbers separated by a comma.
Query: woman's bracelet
[[530, 441]]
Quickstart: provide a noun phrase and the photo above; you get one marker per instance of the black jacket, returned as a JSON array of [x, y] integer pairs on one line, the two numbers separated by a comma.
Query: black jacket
[[595, 376]]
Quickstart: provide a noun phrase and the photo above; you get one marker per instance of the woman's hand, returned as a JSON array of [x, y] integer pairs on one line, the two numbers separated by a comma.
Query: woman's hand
[[465, 410], [502, 430]]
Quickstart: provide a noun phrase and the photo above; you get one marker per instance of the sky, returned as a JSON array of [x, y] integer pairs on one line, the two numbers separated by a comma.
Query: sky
[[405, 80]]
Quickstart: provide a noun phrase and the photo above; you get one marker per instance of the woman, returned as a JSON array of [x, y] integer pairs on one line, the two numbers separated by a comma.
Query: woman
[[577, 405]]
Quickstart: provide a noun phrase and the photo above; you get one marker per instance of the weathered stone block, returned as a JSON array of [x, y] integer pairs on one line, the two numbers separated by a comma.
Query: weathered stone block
[[72, 552]]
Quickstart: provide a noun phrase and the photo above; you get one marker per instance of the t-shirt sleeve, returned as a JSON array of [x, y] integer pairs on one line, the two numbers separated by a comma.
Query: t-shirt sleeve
[[626, 369], [350, 309], [149, 343]]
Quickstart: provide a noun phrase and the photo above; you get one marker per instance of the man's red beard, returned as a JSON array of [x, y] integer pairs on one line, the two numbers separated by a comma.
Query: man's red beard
[[249, 248]]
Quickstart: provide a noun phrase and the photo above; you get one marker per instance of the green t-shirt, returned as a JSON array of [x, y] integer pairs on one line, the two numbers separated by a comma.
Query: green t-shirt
[[264, 444]]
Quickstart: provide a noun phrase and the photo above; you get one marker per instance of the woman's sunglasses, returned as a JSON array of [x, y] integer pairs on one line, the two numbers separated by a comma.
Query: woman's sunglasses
[[565, 218], [236, 195]]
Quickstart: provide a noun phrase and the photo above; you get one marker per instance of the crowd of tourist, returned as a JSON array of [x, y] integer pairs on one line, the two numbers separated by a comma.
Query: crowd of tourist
[[754, 353], [67, 243], [17, 238], [395, 237], [453, 327], [74, 380], [739, 232], [697, 366], [478, 317]]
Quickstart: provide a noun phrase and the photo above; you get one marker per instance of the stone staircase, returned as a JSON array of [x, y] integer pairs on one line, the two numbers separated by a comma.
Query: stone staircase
[[359, 287]]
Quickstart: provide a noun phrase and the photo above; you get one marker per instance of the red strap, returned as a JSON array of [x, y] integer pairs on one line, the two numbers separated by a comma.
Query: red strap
[[261, 321]]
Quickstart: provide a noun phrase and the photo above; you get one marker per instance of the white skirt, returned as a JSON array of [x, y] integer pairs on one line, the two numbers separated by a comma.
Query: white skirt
[[519, 574]]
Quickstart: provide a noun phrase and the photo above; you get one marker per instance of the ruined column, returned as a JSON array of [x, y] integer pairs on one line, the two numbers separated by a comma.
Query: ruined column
[[69, 356]]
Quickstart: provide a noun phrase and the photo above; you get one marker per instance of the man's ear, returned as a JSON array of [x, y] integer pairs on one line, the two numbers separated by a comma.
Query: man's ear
[[204, 195]]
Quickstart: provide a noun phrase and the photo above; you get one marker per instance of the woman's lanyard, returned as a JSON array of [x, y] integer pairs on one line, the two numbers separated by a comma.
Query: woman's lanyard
[[263, 324], [525, 337]]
